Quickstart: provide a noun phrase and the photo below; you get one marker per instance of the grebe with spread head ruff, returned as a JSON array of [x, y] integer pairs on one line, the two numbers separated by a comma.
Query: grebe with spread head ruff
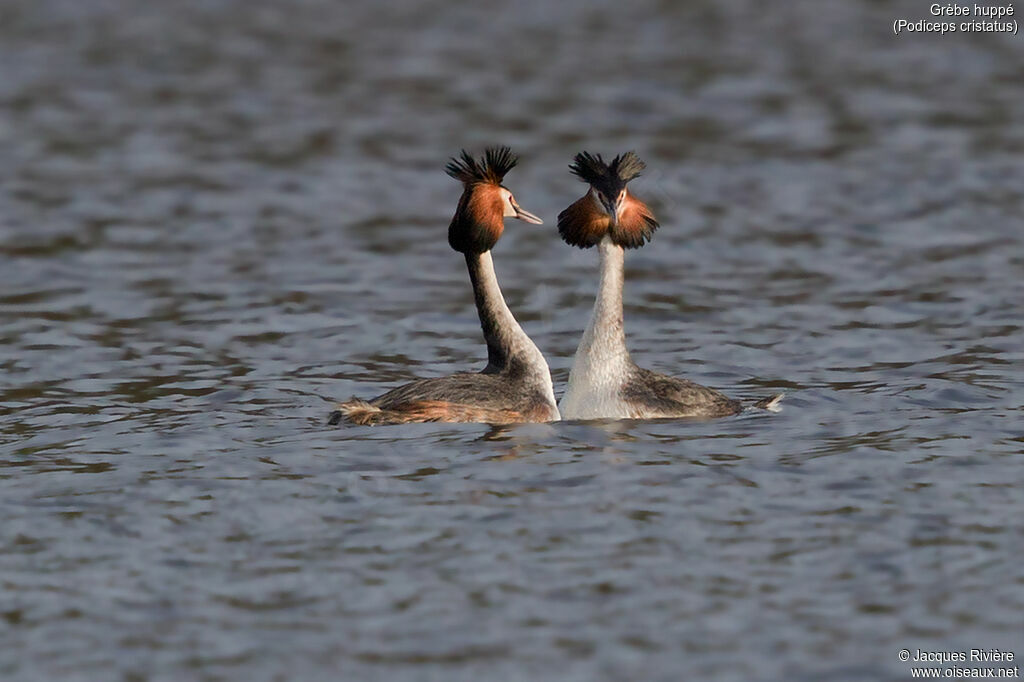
[[604, 382], [515, 386]]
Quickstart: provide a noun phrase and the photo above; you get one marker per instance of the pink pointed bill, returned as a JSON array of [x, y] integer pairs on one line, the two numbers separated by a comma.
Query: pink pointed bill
[[527, 216]]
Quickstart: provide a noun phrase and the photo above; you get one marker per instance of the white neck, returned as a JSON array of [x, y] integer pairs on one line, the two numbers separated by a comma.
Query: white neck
[[602, 362], [508, 346]]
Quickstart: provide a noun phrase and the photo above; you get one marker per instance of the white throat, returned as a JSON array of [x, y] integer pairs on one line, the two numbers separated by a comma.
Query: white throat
[[506, 340], [602, 363]]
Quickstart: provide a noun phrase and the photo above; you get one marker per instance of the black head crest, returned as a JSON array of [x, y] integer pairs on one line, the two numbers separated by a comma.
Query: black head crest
[[609, 178], [491, 167]]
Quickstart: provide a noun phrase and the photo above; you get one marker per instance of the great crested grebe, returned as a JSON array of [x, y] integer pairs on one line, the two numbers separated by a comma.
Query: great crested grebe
[[516, 384], [604, 382]]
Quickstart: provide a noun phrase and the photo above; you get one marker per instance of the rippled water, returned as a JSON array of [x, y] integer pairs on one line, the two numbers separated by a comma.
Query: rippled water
[[216, 218]]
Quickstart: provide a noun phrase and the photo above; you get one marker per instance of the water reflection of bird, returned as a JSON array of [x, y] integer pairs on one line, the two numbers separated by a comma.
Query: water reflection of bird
[[516, 384], [604, 381]]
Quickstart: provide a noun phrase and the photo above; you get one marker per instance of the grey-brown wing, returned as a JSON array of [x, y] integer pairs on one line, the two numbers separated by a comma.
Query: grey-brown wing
[[662, 395], [488, 391]]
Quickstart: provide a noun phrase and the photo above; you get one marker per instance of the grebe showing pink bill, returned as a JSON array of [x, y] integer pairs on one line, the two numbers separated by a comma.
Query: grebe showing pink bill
[[604, 382], [515, 386]]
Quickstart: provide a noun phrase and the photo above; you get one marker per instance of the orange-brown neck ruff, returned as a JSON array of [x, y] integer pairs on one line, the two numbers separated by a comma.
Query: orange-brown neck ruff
[[582, 224], [636, 224], [478, 221]]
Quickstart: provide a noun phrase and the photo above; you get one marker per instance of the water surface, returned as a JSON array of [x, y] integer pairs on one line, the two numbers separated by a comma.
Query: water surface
[[217, 218]]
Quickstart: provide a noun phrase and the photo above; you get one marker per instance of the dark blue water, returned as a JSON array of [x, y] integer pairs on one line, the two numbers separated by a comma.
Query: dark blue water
[[218, 218]]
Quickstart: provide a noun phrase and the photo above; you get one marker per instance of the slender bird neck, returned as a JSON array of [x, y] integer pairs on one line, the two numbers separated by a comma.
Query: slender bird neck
[[507, 343], [602, 365], [605, 336]]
